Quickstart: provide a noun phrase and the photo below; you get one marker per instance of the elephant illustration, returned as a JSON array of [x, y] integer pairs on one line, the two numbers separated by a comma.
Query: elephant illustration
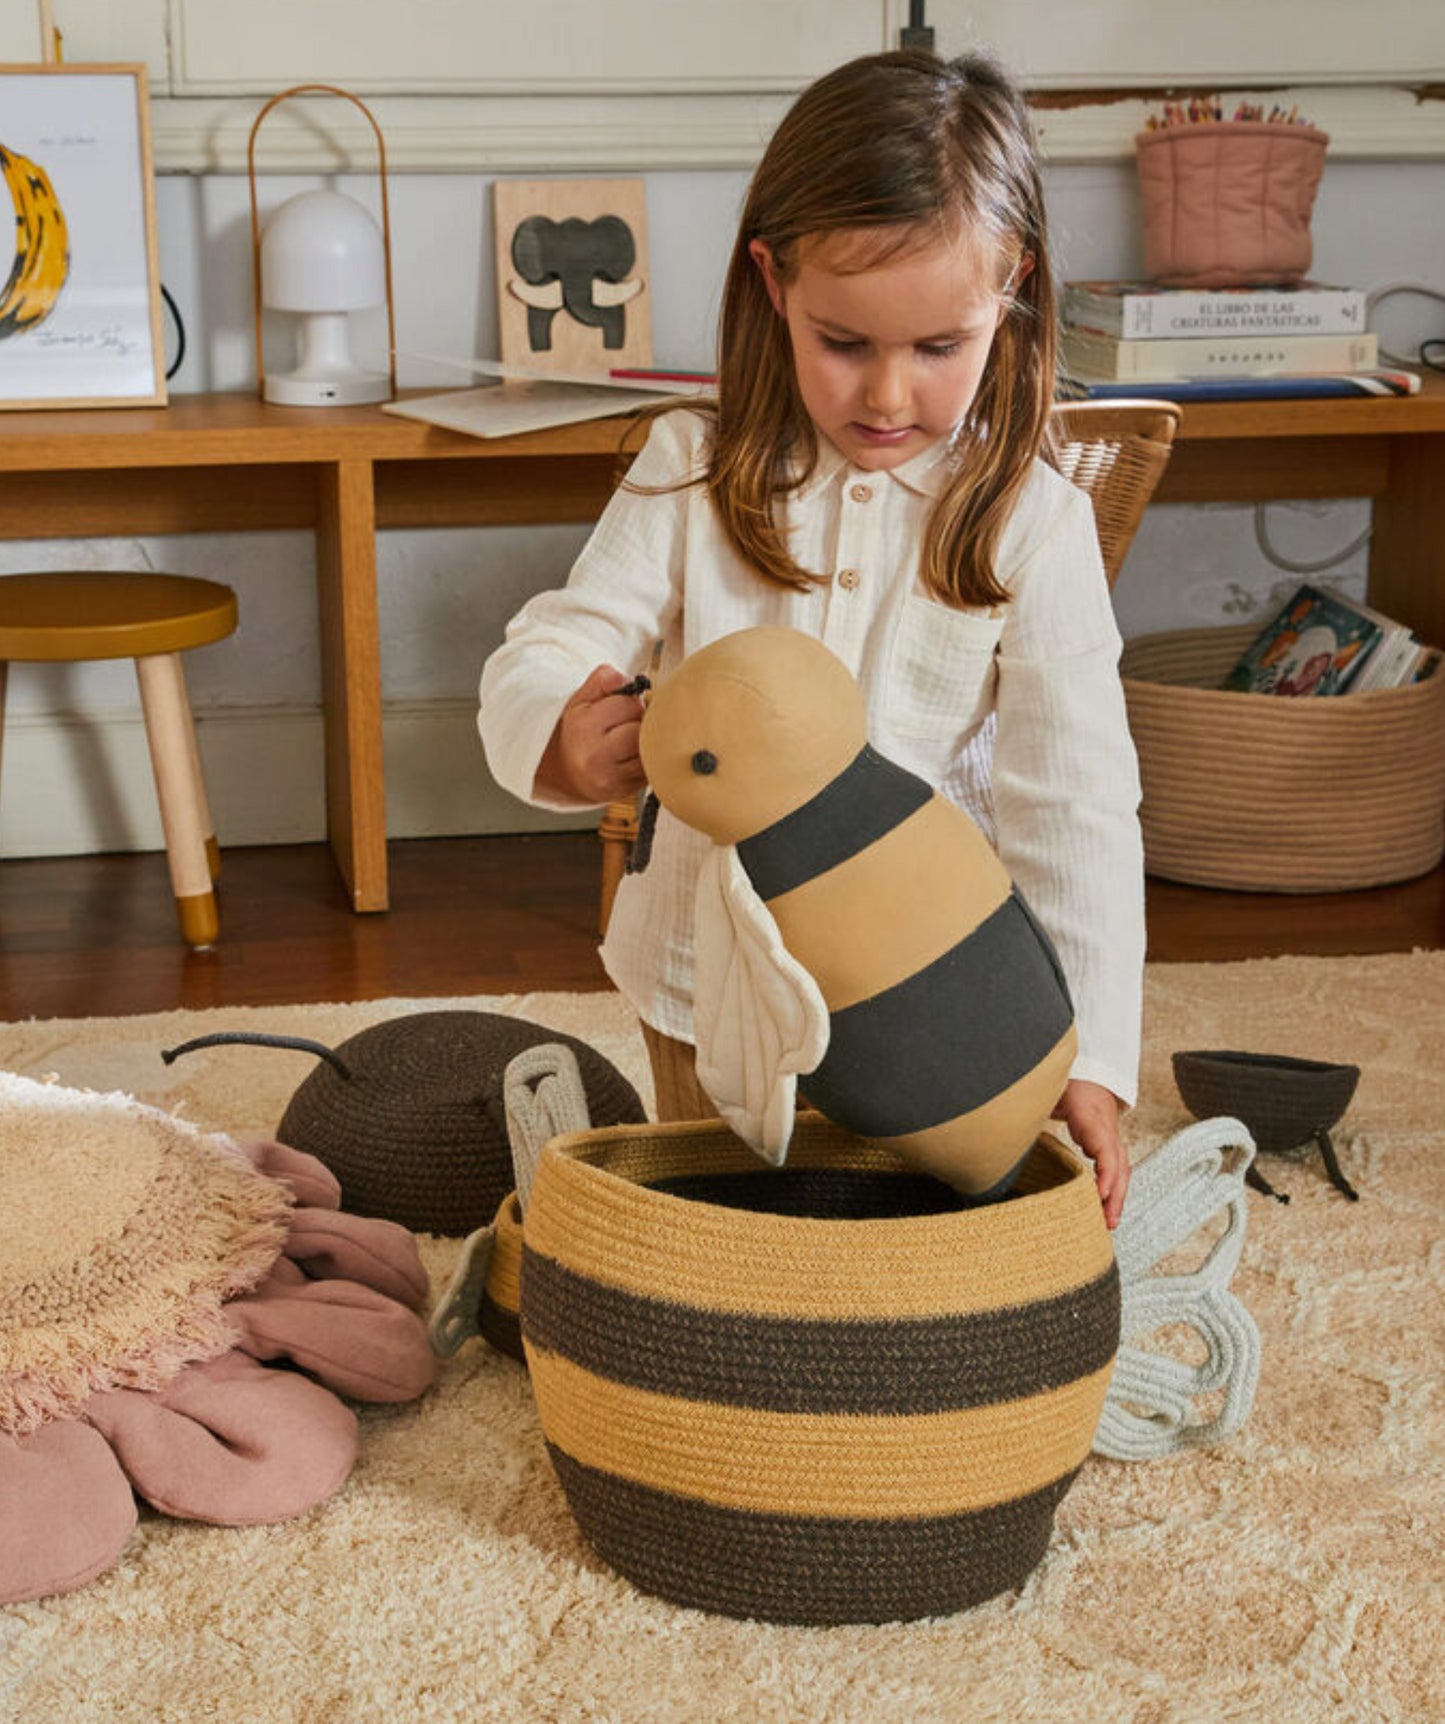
[[577, 266]]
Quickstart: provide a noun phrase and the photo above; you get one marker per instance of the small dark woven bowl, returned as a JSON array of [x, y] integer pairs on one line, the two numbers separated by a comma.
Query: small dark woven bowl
[[1284, 1101]]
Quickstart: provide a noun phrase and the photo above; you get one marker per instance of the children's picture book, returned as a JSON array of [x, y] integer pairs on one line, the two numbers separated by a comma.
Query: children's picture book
[[1314, 645], [1087, 355], [1145, 311]]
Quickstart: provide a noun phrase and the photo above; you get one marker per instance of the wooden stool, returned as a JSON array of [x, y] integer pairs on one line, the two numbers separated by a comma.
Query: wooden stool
[[70, 617]]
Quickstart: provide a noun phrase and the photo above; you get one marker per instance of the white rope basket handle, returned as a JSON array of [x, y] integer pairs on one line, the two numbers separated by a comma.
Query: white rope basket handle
[[1151, 1408], [543, 1095]]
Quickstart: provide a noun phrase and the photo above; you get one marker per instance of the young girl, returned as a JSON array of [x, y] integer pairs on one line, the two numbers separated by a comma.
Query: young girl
[[870, 473]]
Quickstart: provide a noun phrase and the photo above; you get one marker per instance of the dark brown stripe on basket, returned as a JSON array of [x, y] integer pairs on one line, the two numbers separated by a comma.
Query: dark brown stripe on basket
[[503, 1328], [802, 1568], [811, 1365], [822, 1193]]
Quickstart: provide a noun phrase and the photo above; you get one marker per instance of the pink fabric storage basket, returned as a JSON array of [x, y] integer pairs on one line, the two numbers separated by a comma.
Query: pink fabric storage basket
[[1229, 204]]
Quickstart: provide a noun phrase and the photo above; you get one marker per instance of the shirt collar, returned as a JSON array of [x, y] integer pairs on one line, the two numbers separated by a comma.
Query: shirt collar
[[925, 473]]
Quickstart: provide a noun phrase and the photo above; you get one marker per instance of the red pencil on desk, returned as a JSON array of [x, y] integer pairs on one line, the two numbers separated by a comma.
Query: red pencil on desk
[[663, 376]]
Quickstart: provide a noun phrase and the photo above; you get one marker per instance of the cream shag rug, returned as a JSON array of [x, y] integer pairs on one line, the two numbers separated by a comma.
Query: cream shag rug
[[1296, 1574]]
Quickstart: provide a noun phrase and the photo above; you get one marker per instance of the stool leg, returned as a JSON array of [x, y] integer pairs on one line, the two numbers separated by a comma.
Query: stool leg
[[208, 825], [4, 677], [170, 734]]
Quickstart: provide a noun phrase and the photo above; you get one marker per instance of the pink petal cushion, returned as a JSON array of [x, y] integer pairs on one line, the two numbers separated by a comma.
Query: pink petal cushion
[[66, 1510], [356, 1340], [229, 1441], [377, 1253], [311, 1181]]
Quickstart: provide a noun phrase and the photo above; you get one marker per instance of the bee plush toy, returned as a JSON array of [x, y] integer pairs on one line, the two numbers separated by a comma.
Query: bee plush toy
[[857, 939]]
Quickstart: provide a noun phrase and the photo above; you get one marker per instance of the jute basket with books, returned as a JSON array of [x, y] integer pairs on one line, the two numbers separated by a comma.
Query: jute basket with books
[[1268, 793]]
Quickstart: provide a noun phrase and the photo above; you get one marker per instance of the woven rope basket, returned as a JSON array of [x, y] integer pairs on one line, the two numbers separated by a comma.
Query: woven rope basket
[[418, 1133], [822, 1394], [1269, 794], [1283, 1100]]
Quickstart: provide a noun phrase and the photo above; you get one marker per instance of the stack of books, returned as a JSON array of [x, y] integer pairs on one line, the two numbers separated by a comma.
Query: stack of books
[[1323, 643], [1192, 344]]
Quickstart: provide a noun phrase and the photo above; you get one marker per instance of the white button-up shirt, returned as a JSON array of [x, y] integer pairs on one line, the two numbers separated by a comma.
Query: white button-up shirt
[[1016, 713]]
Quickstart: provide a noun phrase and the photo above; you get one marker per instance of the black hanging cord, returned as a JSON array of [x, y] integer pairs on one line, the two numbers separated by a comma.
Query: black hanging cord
[[175, 312], [916, 33], [255, 1038]]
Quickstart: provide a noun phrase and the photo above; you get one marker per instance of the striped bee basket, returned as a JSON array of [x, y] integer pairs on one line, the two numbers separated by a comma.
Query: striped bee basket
[[819, 1394]]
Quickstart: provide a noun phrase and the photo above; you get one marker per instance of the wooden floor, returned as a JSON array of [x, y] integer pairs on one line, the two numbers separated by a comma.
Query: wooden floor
[[96, 935]]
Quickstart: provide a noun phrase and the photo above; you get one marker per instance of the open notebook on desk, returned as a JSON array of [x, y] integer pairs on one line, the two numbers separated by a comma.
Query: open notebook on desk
[[517, 399]]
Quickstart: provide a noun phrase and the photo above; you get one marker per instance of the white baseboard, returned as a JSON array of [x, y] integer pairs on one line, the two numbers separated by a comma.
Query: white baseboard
[[71, 784]]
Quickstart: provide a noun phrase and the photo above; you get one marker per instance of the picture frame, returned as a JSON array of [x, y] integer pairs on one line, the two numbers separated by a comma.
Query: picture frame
[[80, 309]]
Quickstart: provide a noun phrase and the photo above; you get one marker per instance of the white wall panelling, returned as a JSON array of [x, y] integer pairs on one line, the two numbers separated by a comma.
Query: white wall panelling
[[571, 85], [549, 47], [77, 783], [1060, 44]]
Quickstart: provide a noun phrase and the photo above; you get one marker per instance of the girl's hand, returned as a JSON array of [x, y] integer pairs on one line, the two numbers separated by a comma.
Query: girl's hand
[[591, 756], [1091, 1113]]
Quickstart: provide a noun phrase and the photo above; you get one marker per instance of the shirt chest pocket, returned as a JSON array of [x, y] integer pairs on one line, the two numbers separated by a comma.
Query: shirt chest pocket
[[940, 669]]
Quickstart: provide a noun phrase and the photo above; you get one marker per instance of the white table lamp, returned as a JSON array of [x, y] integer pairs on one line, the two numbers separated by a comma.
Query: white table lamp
[[321, 257]]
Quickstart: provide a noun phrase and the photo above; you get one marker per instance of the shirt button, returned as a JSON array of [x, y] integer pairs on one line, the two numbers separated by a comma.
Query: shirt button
[[848, 578], [860, 493]]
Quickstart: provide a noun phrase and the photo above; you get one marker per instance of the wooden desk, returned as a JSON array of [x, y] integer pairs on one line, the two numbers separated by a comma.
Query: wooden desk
[[228, 463]]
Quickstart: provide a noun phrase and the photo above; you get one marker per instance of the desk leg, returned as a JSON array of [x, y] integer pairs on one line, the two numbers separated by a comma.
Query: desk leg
[[1407, 545], [351, 678]]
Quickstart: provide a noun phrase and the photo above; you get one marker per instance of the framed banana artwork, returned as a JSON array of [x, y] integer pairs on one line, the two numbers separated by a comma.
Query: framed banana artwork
[[80, 306]]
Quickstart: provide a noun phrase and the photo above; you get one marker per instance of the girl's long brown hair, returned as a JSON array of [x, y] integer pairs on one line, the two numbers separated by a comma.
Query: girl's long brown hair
[[922, 149]]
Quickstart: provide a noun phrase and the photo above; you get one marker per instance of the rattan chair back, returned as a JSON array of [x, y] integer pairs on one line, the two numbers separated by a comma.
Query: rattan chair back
[[1116, 453]]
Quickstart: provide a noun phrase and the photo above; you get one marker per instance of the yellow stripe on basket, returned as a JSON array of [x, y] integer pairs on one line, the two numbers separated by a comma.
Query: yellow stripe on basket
[[608, 1229], [504, 1272], [859, 1466]]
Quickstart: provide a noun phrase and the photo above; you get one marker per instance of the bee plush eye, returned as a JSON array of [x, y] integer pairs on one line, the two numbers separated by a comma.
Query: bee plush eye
[[704, 762]]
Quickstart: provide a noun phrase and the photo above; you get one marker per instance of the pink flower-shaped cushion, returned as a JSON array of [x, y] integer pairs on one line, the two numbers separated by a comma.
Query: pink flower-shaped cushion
[[187, 1413]]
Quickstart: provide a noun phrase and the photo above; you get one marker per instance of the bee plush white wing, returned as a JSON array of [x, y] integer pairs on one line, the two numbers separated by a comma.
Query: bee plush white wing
[[759, 1018], [1156, 1404]]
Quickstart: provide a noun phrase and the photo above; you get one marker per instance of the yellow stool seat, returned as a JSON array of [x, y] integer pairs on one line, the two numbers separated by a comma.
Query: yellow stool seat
[[70, 616]]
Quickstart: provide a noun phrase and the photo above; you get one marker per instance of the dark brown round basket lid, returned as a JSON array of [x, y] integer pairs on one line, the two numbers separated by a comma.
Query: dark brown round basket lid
[[419, 1132]]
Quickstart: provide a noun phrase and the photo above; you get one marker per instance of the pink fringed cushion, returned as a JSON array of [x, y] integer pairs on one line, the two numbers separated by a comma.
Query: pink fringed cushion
[[1229, 205]]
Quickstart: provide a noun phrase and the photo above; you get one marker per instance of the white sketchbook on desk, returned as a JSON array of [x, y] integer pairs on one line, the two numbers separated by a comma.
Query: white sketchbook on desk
[[522, 400], [510, 408]]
